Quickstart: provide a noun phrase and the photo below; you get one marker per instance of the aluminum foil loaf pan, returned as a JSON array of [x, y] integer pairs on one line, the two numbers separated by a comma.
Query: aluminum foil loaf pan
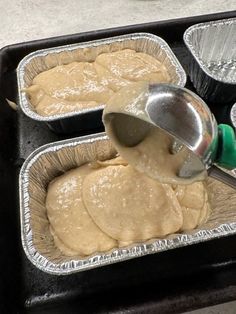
[[45, 59], [213, 59], [53, 159]]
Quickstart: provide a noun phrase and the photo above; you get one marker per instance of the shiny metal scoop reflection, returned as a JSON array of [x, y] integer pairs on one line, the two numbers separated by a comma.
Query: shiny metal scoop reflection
[[184, 118], [188, 119]]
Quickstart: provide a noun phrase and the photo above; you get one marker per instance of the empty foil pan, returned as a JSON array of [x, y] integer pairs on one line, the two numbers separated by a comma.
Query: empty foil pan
[[53, 159], [42, 60], [213, 59]]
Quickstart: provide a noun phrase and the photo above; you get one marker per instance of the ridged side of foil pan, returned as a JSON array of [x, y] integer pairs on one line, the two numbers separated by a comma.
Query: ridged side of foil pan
[[53, 159], [212, 66], [42, 60]]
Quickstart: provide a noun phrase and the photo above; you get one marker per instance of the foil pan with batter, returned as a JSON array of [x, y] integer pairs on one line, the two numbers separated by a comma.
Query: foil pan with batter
[[54, 159], [43, 60]]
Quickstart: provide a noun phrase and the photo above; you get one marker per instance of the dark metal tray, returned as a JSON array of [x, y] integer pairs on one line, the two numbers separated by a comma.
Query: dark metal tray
[[168, 282]]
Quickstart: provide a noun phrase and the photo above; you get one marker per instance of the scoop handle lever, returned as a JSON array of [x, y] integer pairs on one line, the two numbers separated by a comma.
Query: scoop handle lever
[[226, 154], [222, 176]]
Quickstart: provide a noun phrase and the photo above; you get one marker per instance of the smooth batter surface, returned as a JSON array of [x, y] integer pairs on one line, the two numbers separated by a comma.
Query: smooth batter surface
[[73, 229], [81, 85], [109, 204], [129, 206]]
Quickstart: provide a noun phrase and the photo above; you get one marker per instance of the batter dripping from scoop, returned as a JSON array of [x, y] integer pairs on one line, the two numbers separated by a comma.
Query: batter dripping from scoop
[[146, 147]]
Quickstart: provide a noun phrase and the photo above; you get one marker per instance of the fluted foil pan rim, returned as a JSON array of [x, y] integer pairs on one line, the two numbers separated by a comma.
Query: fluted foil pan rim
[[101, 259], [186, 37], [25, 104]]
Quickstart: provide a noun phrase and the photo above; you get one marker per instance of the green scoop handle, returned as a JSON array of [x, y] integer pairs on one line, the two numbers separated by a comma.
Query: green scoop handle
[[226, 152]]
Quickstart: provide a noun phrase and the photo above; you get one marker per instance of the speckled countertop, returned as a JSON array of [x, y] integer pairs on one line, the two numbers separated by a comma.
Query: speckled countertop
[[24, 20]]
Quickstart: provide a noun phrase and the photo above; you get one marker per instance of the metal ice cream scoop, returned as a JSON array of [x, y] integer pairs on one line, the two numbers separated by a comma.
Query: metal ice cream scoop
[[187, 118]]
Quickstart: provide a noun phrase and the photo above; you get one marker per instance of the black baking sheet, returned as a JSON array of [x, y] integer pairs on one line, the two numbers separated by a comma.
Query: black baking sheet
[[168, 282]]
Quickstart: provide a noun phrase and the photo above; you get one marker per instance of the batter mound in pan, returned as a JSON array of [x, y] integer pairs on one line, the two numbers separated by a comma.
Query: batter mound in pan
[[107, 204], [81, 85]]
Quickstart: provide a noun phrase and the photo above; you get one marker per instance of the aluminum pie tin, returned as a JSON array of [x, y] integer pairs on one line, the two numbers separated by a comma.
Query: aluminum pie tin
[[45, 59], [53, 159], [212, 65]]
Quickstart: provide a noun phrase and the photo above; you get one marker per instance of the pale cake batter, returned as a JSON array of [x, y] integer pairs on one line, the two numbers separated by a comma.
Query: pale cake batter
[[81, 85], [108, 204], [193, 200], [73, 229], [133, 66], [129, 206]]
